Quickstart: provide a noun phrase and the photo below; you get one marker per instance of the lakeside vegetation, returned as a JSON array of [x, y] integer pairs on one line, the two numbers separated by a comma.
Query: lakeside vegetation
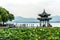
[[5, 15], [30, 33]]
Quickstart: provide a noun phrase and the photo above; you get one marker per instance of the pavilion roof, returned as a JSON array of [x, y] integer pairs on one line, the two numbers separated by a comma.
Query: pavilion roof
[[44, 14]]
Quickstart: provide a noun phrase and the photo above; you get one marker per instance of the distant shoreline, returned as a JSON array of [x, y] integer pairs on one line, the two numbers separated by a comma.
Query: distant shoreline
[[35, 22]]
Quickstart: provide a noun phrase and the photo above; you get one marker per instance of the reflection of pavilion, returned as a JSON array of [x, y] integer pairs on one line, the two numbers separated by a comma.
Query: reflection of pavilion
[[44, 19]]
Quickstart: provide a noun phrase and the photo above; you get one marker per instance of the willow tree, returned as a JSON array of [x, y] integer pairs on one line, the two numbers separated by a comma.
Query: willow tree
[[5, 15]]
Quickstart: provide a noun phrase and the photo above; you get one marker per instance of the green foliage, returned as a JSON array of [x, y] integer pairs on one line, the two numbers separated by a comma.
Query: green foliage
[[11, 17], [5, 15], [30, 34]]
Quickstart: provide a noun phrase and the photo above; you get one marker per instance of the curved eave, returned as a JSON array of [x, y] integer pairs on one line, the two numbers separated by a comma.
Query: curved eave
[[44, 15]]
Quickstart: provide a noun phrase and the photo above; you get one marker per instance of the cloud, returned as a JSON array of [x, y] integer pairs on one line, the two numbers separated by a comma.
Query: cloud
[[31, 8]]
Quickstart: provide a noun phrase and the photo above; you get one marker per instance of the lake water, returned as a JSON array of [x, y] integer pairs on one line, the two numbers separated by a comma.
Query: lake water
[[55, 24], [37, 24]]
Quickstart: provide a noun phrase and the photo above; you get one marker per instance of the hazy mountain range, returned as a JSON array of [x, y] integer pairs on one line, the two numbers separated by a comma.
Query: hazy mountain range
[[20, 19]]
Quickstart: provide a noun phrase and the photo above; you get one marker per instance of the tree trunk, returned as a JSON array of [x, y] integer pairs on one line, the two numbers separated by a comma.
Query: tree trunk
[[3, 23]]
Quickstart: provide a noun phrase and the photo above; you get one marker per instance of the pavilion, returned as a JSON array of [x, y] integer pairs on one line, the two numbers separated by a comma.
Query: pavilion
[[44, 19]]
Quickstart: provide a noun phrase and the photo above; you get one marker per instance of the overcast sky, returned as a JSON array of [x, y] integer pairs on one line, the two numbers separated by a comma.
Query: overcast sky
[[31, 8]]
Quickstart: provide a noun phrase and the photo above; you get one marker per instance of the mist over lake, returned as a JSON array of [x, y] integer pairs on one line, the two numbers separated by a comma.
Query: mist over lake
[[19, 19]]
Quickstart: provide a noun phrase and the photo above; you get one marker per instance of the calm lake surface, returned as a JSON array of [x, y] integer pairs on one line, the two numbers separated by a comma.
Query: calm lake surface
[[37, 24]]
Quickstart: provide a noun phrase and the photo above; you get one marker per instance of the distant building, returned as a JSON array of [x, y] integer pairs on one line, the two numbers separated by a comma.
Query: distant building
[[44, 19]]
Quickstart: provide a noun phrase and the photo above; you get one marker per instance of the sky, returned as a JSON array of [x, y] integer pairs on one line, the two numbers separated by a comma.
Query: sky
[[31, 8]]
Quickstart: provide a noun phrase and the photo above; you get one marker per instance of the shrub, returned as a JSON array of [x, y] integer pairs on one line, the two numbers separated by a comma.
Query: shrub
[[30, 33]]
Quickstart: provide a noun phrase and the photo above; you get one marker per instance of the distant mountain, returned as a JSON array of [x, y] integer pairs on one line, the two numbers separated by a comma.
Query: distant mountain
[[55, 19], [19, 19], [24, 20]]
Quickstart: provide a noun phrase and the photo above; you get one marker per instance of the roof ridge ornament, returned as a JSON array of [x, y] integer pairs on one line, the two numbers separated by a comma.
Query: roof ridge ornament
[[44, 10]]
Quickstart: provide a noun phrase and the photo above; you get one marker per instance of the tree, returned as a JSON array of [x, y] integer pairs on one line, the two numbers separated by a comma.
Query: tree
[[11, 17], [5, 15]]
